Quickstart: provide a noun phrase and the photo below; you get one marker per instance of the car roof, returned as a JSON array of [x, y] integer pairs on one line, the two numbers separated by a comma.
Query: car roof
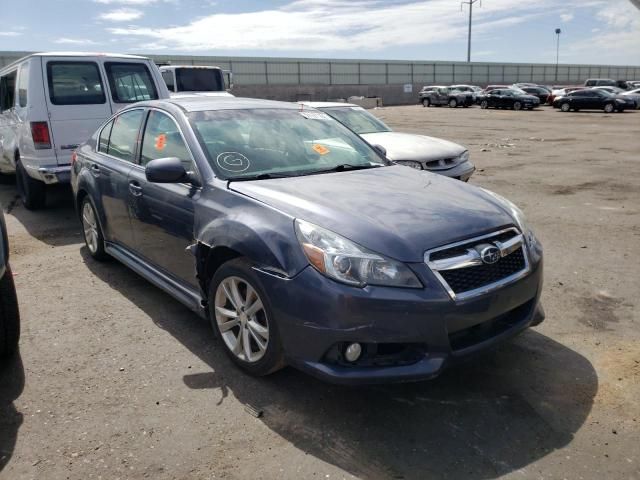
[[86, 54], [200, 104], [327, 104], [190, 66]]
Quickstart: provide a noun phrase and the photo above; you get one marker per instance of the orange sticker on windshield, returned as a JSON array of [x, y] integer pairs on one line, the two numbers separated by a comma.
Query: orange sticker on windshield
[[321, 149], [161, 141]]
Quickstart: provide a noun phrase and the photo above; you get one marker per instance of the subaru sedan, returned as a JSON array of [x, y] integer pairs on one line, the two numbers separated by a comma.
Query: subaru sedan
[[301, 243], [416, 151]]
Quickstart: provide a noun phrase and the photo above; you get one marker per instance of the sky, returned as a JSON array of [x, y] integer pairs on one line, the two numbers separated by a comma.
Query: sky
[[593, 31]]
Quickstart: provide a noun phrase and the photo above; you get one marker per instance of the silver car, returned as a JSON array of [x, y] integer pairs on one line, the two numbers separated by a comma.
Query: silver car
[[417, 151]]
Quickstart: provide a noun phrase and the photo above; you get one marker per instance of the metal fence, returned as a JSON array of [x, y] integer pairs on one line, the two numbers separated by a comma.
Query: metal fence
[[305, 71]]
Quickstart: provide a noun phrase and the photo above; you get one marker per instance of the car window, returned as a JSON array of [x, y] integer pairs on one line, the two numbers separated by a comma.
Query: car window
[[167, 76], [162, 139], [250, 142], [357, 119], [8, 91], [75, 83], [23, 82], [130, 82], [199, 80], [103, 142], [124, 134]]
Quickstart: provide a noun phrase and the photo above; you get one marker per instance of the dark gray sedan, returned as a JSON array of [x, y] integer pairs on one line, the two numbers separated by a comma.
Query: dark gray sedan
[[301, 243], [417, 151]]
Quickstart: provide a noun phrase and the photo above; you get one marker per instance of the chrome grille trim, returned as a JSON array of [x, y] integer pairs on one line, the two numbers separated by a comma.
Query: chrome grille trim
[[472, 258]]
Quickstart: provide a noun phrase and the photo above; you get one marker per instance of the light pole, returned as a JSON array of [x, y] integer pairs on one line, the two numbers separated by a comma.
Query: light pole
[[558, 32], [470, 3]]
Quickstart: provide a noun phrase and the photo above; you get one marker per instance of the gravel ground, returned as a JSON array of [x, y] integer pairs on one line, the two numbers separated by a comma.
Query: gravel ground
[[115, 379]]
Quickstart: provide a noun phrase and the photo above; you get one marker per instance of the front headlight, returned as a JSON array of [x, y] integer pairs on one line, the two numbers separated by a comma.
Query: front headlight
[[464, 156], [410, 163], [518, 216], [345, 261]]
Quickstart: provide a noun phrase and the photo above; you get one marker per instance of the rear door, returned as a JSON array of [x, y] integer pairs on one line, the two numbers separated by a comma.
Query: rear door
[[132, 80], [76, 101]]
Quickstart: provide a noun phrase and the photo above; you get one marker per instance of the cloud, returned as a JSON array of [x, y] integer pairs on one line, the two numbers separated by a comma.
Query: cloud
[[566, 17], [121, 15], [74, 41], [125, 2], [10, 34]]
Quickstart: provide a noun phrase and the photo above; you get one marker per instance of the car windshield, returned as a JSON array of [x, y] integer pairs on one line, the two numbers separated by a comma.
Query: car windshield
[[268, 143], [357, 119]]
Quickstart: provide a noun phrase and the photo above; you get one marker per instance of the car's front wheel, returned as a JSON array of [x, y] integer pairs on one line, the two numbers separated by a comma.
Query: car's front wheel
[[608, 108], [517, 105], [565, 107], [425, 102], [484, 104], [453, 103], [93, 237], [242, 317], [9, 315]]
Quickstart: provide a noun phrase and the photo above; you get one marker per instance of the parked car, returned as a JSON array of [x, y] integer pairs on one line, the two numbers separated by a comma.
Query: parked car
[[9, 311], [301, 243], [51, 102], [509, 98], [635, 95], [418, 151], [196, 79], [426, 90], [447, 96], [592, 99], [472, 89], [600, 82], [541, 93]]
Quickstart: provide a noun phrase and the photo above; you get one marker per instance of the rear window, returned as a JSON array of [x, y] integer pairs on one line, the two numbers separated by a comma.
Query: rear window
[[167, 76], [130, 82], [199, 80], [75, 83], [103, 144]]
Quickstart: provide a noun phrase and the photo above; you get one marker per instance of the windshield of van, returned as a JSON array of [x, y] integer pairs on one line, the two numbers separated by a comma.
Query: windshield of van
[[199, 80], [357, 119], [269, 143]]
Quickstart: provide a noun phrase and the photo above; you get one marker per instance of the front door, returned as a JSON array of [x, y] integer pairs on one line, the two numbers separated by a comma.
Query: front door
[[162, 214]]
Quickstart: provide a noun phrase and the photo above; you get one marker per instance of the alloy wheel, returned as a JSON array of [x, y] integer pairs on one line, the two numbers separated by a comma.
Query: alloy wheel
[[517, 106], [90, 227], [484, 104], [565, 107], [241, 319], [608, 108]]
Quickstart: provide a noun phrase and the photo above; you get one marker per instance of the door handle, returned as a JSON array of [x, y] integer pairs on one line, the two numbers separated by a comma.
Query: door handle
[[135, 188], [95, 169]]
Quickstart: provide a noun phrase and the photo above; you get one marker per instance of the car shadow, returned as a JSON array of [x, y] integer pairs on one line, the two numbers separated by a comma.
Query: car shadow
[[11, 386], [55, 225], [495, 415]]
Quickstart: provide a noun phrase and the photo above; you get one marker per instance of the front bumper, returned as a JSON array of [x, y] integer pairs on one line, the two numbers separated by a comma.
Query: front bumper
[[462, 171], [315, 315], [50, 174]]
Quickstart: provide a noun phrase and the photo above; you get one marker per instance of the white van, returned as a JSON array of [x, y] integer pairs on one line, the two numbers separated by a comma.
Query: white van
[[51, 102], [203, 80]]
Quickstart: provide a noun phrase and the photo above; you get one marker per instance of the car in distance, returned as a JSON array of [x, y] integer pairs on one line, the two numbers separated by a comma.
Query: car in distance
[[447, 96], [301, 243], [633, 94], [509, 98], [426, 90], [417, 151], [472, 89], [541, 93], [600, 82], [592, 99], [51, 102], [9, 311]]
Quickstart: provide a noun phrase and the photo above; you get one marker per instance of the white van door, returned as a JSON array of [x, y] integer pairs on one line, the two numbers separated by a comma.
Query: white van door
[[76, 100]]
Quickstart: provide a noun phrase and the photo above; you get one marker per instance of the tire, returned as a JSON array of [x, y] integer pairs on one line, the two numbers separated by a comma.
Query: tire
[[262, 352], [9, 315], [565, 107], [91, 230], [33, 193], [608, 108], [453, 103], [484, 104], [426, 102], [517, 105]]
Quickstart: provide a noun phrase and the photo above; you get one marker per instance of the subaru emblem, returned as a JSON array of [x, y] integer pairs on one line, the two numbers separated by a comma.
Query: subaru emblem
[[489, 254]]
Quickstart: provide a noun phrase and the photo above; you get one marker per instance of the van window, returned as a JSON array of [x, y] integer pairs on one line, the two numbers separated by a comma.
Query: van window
[[199, 80], [167, 76], [162, 139], [130, 82], [23, 83], [124, 134], [103, 143], [75, 83], [8, 91]]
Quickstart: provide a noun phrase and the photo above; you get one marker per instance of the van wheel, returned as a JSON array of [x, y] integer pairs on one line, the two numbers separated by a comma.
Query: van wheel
[[242, 317], [9, 315], [32, 192]]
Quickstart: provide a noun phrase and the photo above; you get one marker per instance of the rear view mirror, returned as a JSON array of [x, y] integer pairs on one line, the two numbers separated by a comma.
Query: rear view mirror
[[380, 149], [166, 170]]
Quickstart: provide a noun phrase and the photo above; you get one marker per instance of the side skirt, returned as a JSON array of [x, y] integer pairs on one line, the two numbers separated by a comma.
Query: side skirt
[[185, 295]]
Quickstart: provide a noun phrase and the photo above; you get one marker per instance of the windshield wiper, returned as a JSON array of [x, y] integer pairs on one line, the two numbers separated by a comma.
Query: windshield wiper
[[260, 176], [344, 167]]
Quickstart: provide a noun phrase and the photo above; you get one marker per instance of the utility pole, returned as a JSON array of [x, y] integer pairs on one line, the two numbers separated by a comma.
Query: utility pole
[[470, 3], [558, 32]]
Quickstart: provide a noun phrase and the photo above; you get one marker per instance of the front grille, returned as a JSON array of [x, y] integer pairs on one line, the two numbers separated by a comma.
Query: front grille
[[465, 269], [465, 279], [442, 163]]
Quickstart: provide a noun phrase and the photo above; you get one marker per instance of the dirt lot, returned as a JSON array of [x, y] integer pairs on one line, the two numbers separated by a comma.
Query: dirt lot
[[117, 380]]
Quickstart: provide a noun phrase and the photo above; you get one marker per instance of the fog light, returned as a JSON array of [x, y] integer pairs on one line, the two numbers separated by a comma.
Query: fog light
[[353, 352]]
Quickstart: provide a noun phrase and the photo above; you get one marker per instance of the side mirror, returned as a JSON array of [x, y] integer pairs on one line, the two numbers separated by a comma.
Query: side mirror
[[166, 170], [380, 149]]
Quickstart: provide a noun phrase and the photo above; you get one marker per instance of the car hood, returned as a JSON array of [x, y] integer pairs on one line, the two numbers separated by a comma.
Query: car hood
[[396, 211], [405, 146]]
